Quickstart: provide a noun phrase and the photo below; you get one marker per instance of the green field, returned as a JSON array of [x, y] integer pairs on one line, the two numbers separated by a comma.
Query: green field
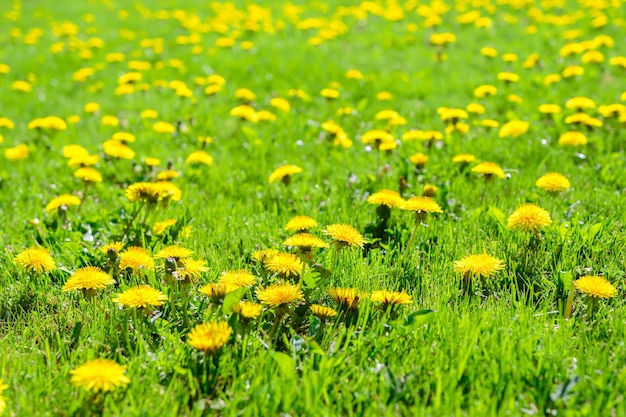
[[153, 154]]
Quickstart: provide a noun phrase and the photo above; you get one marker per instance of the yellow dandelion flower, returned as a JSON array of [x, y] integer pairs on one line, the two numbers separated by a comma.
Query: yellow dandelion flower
[[83, 161], [100, 375], [285, 264], [279, 294], [463, 158], [514, 128], [238, 279], [421, 205], [217, 290], [387, 198], [478, 265], [305, 241], [160, 227], [322, 312], [141, 297], [284, 173], [489, 169], [62, 202], [264, 255], [580, 103], [550, 109], [210, 337], [174, 252], [391, 298], [347, 298], [35, 259], [17, 153], [595, 287], [88, 174], [529, 218], [419, 159], [247, 310], [553, 182], [113, 246], [168, 175], [88, 278], [508, 77], [485, 91], [300, 223], [71, 151], [136, 258], [3, 404], [281, 104], [345, 235], [573, 139], [124, 137], [199, 157], [191, 269]]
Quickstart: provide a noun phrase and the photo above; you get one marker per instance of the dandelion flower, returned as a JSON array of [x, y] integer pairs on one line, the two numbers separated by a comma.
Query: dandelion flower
[[199, 157], [16, 153], [174, 252], [514, 128], [489, 169], [136, 258], [421, 205], [347, 298], [217, 290], [160, 227], [285, 264], [345, 235], [387, 198], [3, 404], [478, 265], [595, 287], [284, 173], [141, 297], [572, 139], [529, 218], [553, 182], [463, 158], [89, 279], [113, 246], [210, 337], [238, 279], [305, 241], [191, 269], [247, 310], [323, 313], [100, 375], [391, 298], [300, 223], [35, 259], [419, 159], [89, 175], [62, 202], [279, 294]]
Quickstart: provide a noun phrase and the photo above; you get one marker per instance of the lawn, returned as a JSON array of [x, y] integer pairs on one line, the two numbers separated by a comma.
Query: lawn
[[312, 208]]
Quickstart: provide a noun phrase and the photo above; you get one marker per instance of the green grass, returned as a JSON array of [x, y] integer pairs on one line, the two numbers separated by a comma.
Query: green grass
[[507, 349]]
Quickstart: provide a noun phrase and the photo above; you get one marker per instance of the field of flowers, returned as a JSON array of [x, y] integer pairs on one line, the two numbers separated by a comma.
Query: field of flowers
[[314, 207]]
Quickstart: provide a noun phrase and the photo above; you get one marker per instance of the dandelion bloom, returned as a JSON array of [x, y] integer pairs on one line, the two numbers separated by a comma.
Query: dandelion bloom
[[89, 278], [238, 279], [62, 201], [210, 337], [347, 298], [463, 158], [191, 269], [89, 175], [421, 205], [572, 139], [580, 103], [391, 298], [387, 198], [489, 169], [247, 310], [478, 265], [100, 375], [3, 404], [148, 192], [160, 227], [300, 223], [550, 108], [553, 182], [71, 151], [508, 77], [279, 294], [285, 264], [529, 218], [141, 297], [217, 290], [485, 91], [419, 159], [305, 241], [281, 104], [136, 258], [35, 259], [323, 313], [245, 112], [595, 287], [264, 255], [345, 234], [113, 246], [199, 157], [16, 153], [514, 128], [284, 173]]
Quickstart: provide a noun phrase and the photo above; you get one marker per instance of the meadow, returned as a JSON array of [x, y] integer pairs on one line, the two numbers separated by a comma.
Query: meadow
[[355, 208]]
